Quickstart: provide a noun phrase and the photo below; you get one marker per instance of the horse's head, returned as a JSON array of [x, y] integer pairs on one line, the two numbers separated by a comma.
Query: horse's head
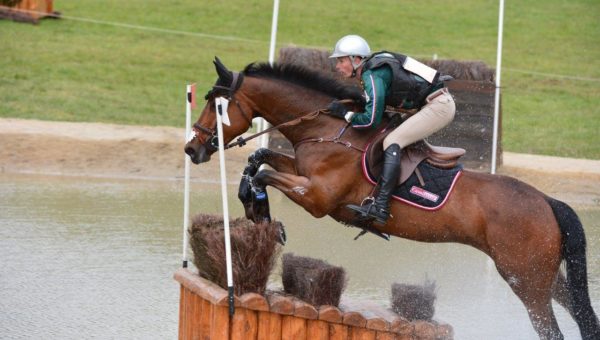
[[203, 141]]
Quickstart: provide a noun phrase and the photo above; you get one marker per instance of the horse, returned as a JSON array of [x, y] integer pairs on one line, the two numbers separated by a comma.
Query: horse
[[525, 232]]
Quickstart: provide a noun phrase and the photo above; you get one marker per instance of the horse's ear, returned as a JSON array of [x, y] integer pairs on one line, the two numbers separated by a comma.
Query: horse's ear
[[225, 76]]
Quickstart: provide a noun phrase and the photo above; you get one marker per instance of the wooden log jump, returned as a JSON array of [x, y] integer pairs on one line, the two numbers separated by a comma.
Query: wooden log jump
[[203, 314], [28, 10]]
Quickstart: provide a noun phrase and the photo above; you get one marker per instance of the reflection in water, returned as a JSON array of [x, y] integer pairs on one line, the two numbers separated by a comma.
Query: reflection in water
[[96, 257]]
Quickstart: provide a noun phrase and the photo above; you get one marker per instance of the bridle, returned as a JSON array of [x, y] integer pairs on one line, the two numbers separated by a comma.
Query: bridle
[[236, 82], [214, 140]]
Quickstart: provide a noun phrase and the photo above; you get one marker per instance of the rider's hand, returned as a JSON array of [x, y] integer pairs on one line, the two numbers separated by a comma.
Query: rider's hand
[[337, 109]]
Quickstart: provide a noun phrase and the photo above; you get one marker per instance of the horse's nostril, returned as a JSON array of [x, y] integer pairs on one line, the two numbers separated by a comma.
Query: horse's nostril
[[190, 151]]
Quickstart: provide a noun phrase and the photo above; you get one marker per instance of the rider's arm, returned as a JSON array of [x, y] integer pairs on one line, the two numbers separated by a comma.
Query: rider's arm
[[376, 83]]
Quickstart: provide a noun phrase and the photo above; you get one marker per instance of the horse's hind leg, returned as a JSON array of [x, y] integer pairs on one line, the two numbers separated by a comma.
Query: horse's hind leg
[[560, 293], [533, 286], [536, 296], [530, 264], [543, 320]]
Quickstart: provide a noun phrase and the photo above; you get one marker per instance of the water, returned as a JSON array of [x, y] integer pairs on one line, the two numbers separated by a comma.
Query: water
[[93, 258]]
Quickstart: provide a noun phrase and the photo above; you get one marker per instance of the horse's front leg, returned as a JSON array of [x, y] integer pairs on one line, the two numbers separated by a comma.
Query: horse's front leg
[[278, 161], [254, 196], [310, 193]]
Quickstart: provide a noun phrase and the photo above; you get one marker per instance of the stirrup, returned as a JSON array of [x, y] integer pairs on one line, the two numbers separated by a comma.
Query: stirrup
[[364, 211], [359, 209], [380, 215], [369, 211]]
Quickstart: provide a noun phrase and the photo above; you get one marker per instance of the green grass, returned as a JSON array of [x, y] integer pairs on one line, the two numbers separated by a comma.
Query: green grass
[[77, 70]]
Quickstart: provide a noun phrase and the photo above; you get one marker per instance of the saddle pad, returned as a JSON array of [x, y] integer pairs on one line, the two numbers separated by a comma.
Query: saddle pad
[[434, 194]]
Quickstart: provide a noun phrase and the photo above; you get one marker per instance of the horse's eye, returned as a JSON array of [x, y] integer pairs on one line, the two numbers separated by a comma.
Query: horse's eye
[[215, 142]]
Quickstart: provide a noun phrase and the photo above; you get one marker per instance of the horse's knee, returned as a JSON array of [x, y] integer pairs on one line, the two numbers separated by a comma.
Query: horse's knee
[[259, 180], [249, 171], [257, 158]]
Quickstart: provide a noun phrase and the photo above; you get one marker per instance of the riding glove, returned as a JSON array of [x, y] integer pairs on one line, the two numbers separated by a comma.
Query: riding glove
[[337, 109]]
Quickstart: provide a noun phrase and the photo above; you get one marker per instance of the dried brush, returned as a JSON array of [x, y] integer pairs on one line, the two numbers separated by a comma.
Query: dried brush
[[312, 280], [254, 250], [414, 302]]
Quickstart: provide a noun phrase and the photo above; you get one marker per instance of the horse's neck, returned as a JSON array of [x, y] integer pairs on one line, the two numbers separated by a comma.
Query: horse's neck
[[283, 105]]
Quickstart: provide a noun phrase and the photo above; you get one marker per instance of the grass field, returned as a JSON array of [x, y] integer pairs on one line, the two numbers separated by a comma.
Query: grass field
[[128, 62]]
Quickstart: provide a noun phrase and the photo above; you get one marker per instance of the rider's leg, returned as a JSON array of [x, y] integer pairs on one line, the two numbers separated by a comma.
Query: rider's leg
[[432, 117], [380, 209]]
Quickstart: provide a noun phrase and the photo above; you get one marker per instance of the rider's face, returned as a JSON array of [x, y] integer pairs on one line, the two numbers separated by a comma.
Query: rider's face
[[344, 66]]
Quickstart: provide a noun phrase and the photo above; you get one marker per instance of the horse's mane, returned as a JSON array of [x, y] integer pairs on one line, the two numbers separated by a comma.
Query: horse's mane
[[305, 77]]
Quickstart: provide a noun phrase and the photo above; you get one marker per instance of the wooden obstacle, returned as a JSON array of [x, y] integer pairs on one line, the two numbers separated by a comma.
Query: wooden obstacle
[[204, 314], [28, 10], [204, 300]]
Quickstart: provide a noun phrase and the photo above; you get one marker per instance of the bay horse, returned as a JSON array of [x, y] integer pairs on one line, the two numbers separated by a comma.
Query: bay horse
[[526, 233]]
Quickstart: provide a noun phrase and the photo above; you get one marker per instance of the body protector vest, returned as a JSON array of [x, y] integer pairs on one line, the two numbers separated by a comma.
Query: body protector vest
[[412, 80]]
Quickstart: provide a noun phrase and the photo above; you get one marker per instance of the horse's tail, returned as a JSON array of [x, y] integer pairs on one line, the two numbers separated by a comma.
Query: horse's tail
[[573, 250]]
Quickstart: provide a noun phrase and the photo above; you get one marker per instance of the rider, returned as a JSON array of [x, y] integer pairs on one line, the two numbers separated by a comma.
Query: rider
[[399, 81]]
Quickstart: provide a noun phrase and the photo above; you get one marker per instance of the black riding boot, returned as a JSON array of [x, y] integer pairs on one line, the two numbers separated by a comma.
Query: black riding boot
[[380, 208]]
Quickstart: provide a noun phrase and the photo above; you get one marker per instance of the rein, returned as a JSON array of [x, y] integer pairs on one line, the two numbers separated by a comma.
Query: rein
[[241, 141], [309, 116], [336, 139]]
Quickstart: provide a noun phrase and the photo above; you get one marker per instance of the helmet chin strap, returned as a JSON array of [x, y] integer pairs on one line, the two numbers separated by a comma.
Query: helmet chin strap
[[355, 65]]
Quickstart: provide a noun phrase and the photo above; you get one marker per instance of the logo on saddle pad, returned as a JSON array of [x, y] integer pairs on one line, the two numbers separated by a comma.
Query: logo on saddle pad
[[424, 194]]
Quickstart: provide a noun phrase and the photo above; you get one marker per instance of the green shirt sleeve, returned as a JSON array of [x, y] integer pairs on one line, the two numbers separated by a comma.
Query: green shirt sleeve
[[376, 84]]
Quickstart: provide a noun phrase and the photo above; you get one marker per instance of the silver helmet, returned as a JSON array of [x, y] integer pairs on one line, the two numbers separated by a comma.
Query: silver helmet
[[351, 45]]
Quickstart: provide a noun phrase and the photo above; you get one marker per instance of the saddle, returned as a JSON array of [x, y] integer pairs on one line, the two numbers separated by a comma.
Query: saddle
[[438, 156], [436, 162]]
